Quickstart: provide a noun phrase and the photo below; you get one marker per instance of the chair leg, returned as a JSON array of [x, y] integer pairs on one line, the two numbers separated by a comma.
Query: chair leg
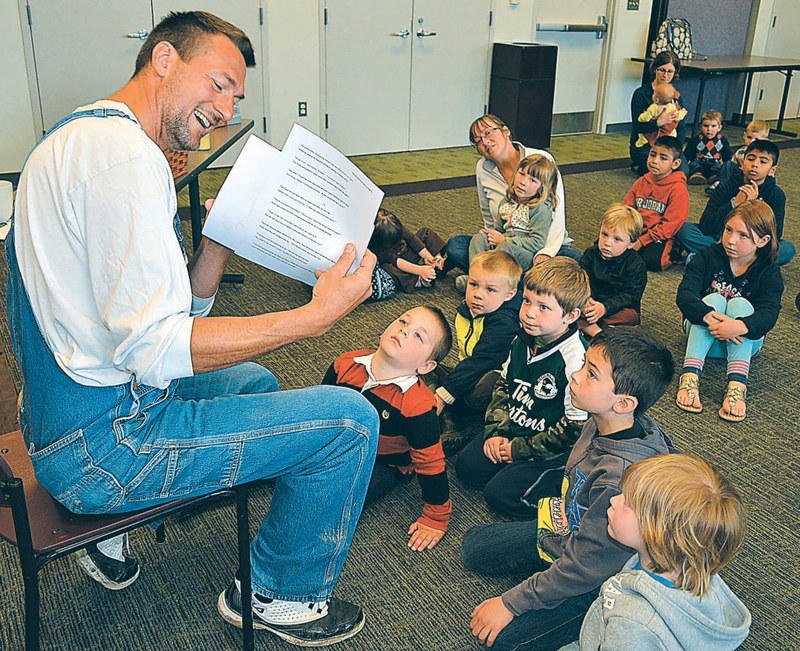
[[31, 583], [243, 534]]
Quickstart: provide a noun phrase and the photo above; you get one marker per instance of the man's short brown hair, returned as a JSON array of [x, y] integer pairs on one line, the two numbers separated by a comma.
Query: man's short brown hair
[[562, 278], [188, 32]]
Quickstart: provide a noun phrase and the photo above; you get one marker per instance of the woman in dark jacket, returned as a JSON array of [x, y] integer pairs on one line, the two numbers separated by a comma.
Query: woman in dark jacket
[[664, 69]]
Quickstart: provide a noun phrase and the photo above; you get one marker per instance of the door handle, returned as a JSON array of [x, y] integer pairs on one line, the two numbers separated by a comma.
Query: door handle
[[140, 34], [599, 28], [402, 33], [422, 33]]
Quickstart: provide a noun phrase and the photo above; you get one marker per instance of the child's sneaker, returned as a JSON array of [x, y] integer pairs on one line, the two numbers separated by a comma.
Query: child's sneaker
[[106, 564], [461, 283], [303, 624], [713, 186], [697, 179]]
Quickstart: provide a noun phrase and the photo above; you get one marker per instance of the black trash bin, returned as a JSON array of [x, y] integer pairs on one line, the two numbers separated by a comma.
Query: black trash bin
[[522, 88]]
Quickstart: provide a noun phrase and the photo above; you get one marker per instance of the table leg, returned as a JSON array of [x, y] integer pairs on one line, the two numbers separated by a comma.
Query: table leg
[[748, 84], [196, 213], [699, 104], [785, 97]]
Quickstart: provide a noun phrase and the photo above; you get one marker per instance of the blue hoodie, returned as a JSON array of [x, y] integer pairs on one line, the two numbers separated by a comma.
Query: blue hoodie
[[636, 611]]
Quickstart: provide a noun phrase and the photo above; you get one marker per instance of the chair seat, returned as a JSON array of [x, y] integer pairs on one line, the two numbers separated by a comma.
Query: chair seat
[[56, 530]]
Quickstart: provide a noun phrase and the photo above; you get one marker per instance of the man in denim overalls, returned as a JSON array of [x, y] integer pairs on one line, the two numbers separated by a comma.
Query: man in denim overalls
[[133, 396]]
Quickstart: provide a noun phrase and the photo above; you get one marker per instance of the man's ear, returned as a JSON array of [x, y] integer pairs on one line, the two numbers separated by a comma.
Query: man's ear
[[571, 317], [427, 367], [625, 404], [162, 57]]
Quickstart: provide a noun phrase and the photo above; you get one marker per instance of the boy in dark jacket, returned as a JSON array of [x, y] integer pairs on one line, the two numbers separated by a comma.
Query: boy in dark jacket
[[486, 323], [626, 372], [756, 180], [617, 274], [661, 198]]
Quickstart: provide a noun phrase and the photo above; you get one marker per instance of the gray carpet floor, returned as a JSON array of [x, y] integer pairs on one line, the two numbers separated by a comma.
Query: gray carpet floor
[[423, 601]]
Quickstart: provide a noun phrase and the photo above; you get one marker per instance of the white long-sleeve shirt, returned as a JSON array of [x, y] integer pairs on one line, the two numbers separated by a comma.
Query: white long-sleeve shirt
[[98, 253]]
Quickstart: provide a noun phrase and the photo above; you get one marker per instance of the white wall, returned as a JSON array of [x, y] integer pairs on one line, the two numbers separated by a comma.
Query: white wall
[[17, 132]]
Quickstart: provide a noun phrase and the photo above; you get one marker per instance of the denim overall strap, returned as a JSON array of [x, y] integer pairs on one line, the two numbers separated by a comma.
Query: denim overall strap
[[46, 382]]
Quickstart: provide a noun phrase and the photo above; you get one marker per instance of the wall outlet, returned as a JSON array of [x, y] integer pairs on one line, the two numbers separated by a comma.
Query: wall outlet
[[302, 109]]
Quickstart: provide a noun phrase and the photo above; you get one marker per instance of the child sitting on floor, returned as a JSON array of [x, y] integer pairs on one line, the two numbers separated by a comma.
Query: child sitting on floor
[[663, 102], [616, 272], [756, 130], [412, 260], [486, 323], [525, 215], [409, 429], [686, 523], [625, 372], [730, 297], [661, 198], [531, 422], [708, 150]]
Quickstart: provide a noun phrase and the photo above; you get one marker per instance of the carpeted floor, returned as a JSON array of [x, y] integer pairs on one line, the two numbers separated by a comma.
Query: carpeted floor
[[423, 601]]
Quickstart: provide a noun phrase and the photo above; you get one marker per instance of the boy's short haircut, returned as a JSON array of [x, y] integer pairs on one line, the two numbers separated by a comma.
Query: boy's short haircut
[[562, 278], [445, 343], [712, 115], [664, 92], [759, 126], [641, 366], [625, 218], [499, 263], [670, 143], [691, 518], [765, 147]]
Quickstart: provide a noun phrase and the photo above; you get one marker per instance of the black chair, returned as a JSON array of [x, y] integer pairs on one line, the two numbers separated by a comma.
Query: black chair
[[43, 530]]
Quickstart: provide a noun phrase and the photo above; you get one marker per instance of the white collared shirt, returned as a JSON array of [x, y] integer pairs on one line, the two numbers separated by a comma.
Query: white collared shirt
[[404, 383]]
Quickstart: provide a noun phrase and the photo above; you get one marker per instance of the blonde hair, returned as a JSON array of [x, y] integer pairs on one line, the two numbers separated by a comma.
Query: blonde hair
[[759, 126], [498, 263], [759, 220], [691, 519], [712, 115], [623, 217], [664, 92], [562, 278], [545, 171]]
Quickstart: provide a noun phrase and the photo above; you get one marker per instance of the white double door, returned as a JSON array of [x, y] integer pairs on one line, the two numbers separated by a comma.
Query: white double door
[[86, 50], [404, 74]]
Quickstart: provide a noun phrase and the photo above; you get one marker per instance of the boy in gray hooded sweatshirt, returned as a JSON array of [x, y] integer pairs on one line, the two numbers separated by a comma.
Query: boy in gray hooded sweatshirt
[[686, 522], [625, 372]]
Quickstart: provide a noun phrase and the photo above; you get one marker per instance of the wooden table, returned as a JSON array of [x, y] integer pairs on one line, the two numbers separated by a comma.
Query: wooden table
[[222, 138], [715, 66]]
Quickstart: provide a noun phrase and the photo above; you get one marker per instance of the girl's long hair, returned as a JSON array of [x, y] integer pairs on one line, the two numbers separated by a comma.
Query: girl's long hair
[[541, 168], [759, 220]]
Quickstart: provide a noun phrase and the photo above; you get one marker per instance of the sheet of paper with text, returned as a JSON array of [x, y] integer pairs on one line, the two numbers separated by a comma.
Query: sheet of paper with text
[[293, 211]]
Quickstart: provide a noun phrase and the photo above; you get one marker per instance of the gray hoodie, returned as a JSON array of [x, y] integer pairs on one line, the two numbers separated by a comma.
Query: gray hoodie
[[636, 611], [573, 528]]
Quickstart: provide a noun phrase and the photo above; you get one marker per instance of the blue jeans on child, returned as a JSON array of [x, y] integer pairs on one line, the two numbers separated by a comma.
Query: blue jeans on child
[[458, 254], [702, 344], [691, 238], [123, 448], [510, 547]]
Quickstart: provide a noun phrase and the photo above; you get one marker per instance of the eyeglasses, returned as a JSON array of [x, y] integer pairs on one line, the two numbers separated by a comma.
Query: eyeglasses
[[666, 71], [479, 140]]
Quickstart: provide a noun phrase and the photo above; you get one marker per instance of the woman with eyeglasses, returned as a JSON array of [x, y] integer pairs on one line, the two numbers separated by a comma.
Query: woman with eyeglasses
[[664, 69], [500, 158]]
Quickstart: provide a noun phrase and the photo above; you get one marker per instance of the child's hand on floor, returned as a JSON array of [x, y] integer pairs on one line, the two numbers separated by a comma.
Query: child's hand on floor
[[491, 448], [423, 537], [488, 619]]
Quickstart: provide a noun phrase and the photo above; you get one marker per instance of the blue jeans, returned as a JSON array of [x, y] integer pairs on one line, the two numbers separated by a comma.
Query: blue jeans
[[701, 343], [127, 447], [510, 547], [691, 238], [458, 252]]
